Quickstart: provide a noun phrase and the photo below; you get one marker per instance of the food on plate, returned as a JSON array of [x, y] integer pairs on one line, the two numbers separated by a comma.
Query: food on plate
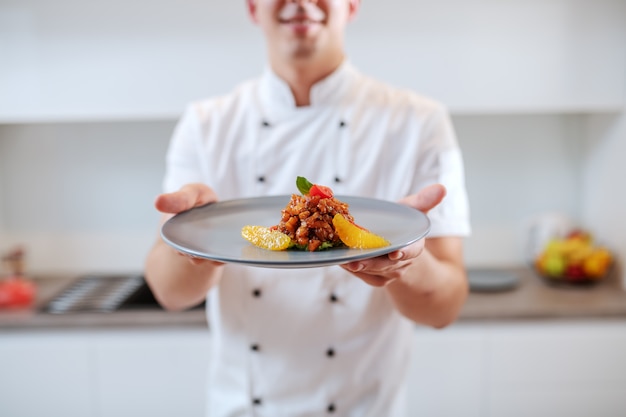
[[312, 221], [266, 238], [355, 236]]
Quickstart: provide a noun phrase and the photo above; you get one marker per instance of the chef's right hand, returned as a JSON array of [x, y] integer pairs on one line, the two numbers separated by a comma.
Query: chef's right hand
[[188, 197]]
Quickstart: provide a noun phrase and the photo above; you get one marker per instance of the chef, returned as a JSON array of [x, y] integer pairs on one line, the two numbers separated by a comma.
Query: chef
[[318, 341]]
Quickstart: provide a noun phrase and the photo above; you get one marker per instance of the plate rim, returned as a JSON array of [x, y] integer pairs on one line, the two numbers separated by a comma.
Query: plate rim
[[304, 263]]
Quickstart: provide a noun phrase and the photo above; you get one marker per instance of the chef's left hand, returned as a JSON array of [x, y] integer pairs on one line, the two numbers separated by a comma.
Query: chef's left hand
[[384, 269]]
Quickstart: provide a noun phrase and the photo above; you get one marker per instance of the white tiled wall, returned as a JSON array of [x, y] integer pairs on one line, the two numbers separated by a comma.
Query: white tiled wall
[[80, 195], [604, 205]]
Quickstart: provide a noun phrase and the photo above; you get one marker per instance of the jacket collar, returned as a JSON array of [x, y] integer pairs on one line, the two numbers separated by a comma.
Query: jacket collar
[[275, 92]]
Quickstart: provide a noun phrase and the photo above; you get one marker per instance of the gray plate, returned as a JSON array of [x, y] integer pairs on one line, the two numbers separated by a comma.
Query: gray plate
[[214, 231]]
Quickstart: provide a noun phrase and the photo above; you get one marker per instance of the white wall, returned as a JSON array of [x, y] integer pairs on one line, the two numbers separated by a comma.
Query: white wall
[[80, 195], [604, 208], [517, 168]]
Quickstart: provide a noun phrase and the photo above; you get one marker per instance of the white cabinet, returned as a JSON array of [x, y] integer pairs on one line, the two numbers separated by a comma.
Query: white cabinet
[[152, 373], [446, 376], [561, 369], [563, 56], [114, 373], [112, 60], [518, 368], [45, 374], [546, 368]]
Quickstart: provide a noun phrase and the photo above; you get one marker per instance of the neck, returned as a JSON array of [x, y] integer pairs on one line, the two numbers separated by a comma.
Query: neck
[[302, 75]]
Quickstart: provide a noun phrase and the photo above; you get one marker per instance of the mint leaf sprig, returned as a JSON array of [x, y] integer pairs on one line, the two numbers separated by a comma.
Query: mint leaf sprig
[[304, 186]]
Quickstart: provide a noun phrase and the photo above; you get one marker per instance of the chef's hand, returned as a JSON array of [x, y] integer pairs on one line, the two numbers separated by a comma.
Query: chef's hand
[[188, 197], [384, 269]]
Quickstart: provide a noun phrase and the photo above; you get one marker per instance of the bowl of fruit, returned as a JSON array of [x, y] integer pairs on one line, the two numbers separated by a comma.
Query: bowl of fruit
[[574, 259]]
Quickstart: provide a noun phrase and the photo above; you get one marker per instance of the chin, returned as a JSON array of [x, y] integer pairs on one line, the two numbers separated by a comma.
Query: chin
[[301, 49], [302, 54]]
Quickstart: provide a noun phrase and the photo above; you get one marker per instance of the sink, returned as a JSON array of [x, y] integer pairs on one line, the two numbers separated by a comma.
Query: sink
[[105, 293]]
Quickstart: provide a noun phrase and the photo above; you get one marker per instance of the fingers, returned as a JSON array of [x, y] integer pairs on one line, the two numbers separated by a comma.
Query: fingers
[[188, 197], [194, 260], [377, 271], [376, 274], [381, 270], [426, 199], [408, 252]]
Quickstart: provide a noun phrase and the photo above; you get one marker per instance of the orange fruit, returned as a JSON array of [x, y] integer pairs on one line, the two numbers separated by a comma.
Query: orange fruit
[[355, 236], [265, 238]]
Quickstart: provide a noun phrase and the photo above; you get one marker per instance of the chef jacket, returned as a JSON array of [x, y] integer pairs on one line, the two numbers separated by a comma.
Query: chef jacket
[[315, 341]]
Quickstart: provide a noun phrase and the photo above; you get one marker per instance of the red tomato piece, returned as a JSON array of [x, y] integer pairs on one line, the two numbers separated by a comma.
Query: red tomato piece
[[321, 191]]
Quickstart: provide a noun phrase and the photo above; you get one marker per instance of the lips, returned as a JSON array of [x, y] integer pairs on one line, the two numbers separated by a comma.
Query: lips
[[300, 20]]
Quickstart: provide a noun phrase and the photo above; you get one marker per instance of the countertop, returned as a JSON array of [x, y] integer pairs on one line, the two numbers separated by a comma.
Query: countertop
[[531, 299]]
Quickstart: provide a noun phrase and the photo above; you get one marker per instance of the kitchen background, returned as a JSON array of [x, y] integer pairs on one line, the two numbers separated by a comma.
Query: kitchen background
[[90, 93]]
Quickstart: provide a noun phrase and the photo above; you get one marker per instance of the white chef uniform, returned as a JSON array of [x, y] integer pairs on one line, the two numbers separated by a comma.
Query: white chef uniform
[[318, 341]]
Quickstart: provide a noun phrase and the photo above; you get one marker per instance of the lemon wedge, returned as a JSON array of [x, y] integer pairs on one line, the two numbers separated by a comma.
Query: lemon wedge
[[265, 238]]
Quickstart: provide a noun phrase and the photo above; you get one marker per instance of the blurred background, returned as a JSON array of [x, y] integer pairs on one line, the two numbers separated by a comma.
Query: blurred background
[[91, 91]]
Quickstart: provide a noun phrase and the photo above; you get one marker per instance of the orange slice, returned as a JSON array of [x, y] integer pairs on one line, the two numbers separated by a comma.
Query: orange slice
[[355, 236], [265, 238]]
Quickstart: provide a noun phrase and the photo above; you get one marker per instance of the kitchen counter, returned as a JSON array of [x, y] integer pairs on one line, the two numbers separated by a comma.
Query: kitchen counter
[[531, 299], [50, 286]]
